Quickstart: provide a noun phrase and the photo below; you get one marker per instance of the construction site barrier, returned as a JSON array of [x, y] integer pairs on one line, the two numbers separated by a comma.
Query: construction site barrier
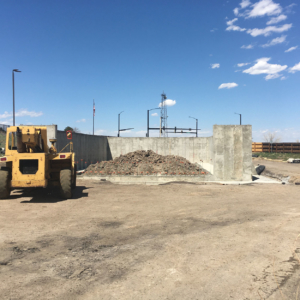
[[276, 147]]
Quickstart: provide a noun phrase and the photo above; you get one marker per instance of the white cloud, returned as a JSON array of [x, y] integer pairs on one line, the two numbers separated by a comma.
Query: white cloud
[[263, 67], [264, 7], [233, 27], [291, 49], [245, 3], [276, 20], [168, 102], [215, 66], [7, 122], [5, 115], [229, 85], [295, 68], [101, 132], [243, 64], [81, 121], [213, 30], [272, 76], [154, 115], [275, 41], [22, 113], [283, 78], [247, 46], [268, 30]]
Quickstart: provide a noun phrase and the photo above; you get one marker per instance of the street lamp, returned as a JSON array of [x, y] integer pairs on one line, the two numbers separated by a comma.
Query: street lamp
[[119, 123], [196, 125], [240, 118], [13, 82], [147, 134]]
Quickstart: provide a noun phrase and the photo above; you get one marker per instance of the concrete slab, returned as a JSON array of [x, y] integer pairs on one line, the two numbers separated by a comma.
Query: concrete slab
[[157, 180]]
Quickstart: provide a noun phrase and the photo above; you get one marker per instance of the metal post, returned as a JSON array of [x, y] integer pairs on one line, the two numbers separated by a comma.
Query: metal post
[[240, 117], [93, 116], [196, 125], [13, 82], [118, 125], [147, 123], [160, 127]]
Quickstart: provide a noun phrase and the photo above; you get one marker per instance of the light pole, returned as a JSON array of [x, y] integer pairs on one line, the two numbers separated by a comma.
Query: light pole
[[119, 123], [196, 125], [240, 118], [147, 135], [13, 82]]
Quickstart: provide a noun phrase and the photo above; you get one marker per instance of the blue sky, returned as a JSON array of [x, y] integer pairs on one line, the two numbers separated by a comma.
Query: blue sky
[[124, 54]]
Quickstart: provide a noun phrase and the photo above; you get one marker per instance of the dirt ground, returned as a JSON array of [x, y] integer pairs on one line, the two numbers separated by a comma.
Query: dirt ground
[[279, 169], [172, 241]]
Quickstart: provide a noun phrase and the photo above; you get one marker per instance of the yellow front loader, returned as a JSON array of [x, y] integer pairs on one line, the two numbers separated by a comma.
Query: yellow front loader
[[31, 163]]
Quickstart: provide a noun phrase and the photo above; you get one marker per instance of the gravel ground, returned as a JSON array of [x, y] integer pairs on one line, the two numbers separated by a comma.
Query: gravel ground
[[172, 241]]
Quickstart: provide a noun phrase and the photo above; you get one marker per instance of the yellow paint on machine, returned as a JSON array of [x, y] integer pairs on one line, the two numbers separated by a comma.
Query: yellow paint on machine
[[29, 183]]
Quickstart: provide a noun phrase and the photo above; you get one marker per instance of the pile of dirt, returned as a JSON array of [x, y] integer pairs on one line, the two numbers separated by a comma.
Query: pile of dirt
[[143, 162]]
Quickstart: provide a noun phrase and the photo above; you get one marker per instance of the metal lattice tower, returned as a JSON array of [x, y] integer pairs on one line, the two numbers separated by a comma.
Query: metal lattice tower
[[164, 115]]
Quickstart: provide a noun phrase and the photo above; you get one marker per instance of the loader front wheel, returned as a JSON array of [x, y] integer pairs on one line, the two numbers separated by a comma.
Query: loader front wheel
[[74, 177], [66, 184], [4, 184]]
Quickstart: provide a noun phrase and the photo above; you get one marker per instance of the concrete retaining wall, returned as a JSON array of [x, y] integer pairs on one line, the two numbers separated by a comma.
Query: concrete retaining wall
[[227, 154], [232, 152], [193, 149]]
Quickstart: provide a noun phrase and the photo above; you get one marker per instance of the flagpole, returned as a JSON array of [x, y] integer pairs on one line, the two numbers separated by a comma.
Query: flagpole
[[93, 115]]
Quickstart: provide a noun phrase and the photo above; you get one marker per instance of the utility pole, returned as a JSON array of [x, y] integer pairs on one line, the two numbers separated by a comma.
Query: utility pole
[[147, 134], [196, 125], [119, 123], [94, 110], [13, 82], [240, 118]]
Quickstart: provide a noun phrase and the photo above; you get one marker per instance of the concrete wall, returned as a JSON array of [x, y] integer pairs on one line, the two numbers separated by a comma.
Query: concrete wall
[[193, 149], [87, 148], [232, 152], [227, 154]]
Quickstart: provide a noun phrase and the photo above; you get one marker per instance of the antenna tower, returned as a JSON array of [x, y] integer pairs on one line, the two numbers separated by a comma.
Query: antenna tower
[[164, 115]]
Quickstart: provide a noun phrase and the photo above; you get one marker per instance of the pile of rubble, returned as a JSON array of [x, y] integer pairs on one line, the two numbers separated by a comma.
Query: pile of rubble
[[143, 162]]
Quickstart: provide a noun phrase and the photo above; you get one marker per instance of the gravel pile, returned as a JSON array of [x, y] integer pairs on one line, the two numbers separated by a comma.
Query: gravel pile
[[143, 162]]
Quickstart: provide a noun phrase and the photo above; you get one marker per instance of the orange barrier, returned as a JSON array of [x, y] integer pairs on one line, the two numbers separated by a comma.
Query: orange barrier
[[276, 147]]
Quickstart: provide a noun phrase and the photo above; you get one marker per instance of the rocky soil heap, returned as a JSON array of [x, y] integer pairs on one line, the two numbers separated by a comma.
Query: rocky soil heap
[[143, 162]]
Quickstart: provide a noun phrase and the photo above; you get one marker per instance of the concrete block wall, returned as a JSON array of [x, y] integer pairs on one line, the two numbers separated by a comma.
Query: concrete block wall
[[232, 152]]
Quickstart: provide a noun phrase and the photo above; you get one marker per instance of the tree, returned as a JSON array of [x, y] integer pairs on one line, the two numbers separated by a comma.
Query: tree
[[75, 129], [272, 137]]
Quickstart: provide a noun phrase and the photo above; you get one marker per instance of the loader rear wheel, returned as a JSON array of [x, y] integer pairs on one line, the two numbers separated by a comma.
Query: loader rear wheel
[[74, 177], [4, 184], [66, 184]]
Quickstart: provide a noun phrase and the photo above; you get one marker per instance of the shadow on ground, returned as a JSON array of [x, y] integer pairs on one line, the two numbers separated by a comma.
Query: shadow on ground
[[48, 195]]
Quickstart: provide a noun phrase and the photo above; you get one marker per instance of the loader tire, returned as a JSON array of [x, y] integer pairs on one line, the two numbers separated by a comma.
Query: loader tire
[[4, 184], [75, 176], [66, 184]]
